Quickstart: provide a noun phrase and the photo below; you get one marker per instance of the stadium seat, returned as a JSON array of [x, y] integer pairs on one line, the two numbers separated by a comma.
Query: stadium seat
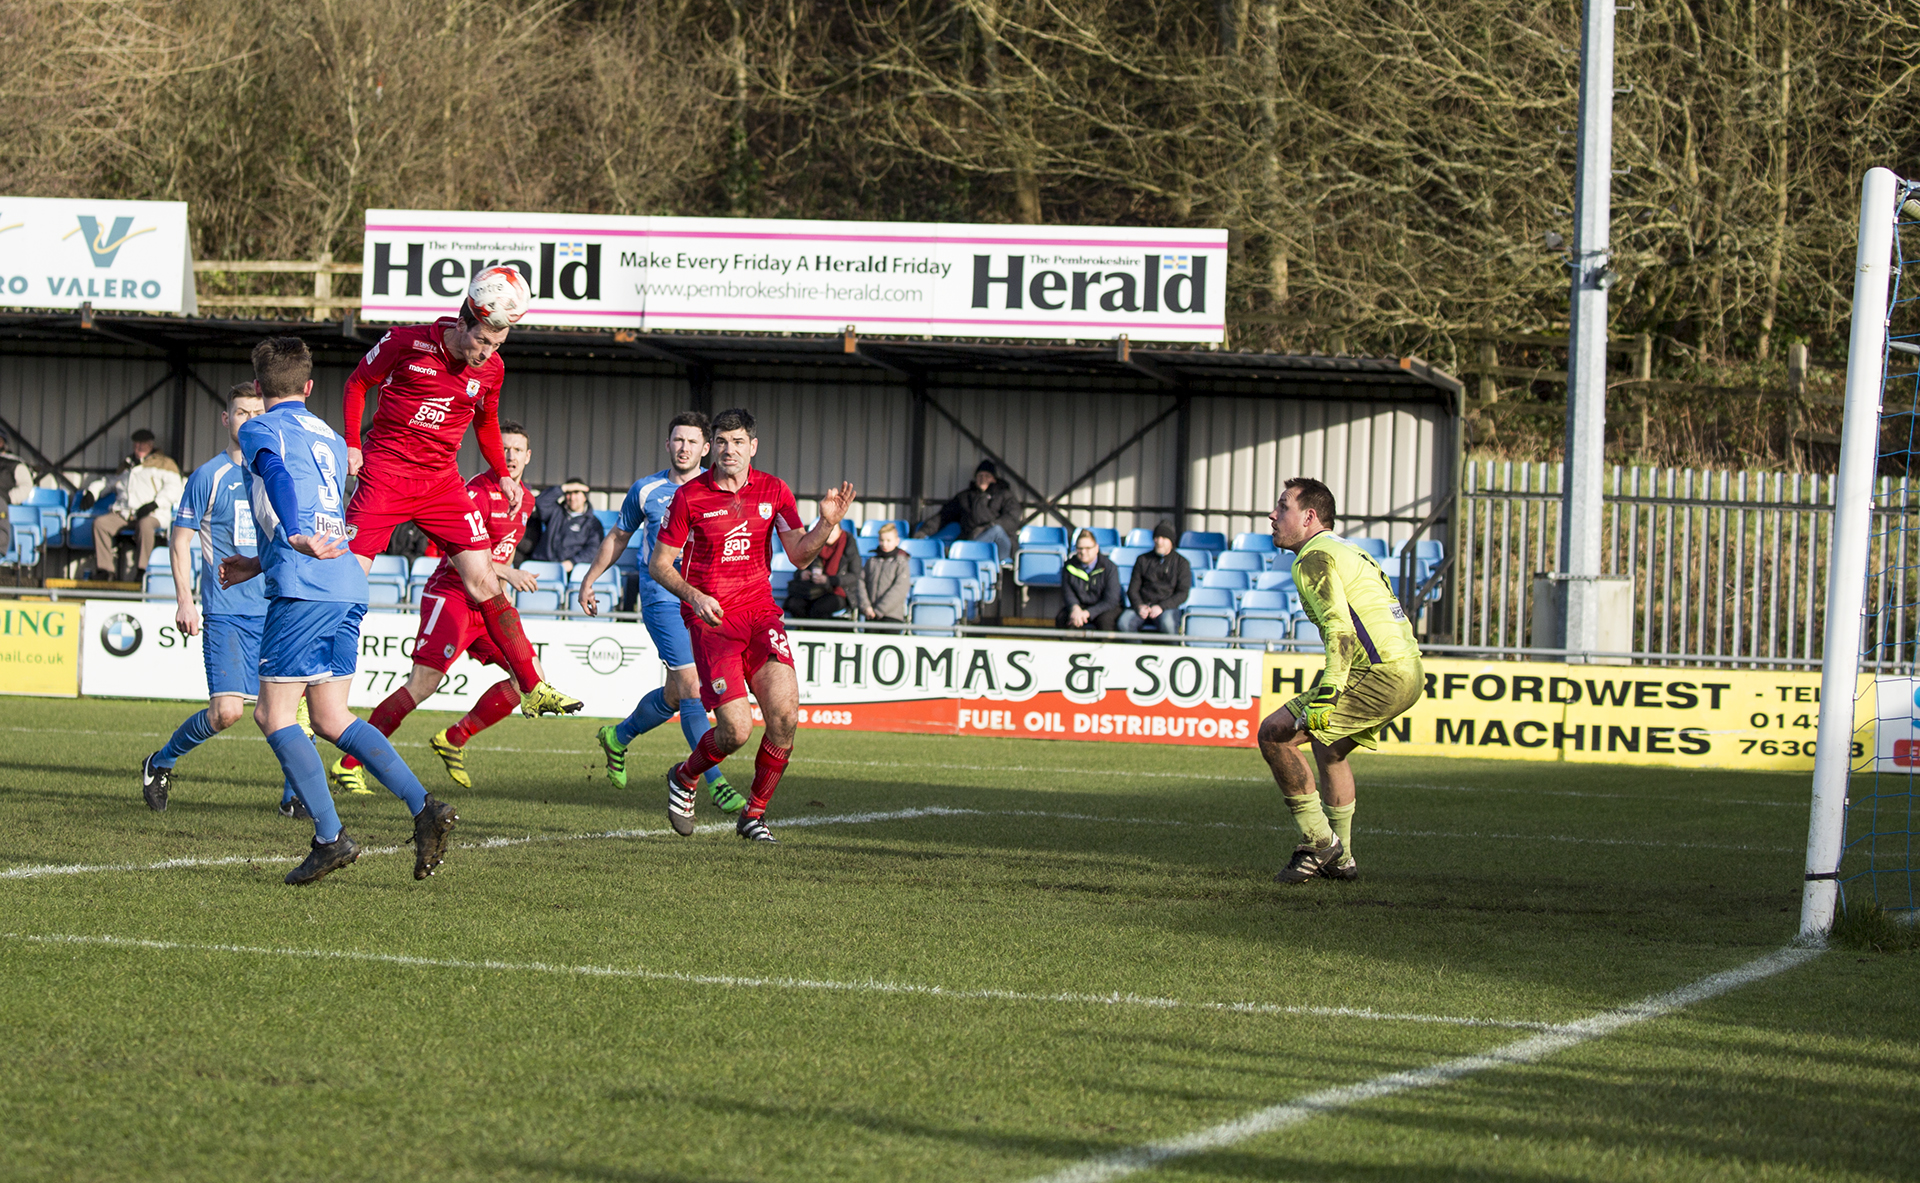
[[423, 569], [1374, 546], [1233, 582], [782, 574], [50, 506], [388, 565], [1105, 536], [1203, 540], [379, 591], [1283, 562], [609, 518], [540, 599], [924, 548], [1429, 549], [1045, 536], [1141, 537], [1241, 560], [1307, 635], [964, 570], [607, 588], [1263, 627], [1199, 560], [1274, 581], [984, 555], [871, 527], [1259, 544], [1270, 603], [1038, 568], [1207, 622], [1208, 597], [39, 498], [158, 585], [1126, 556], [866, 544], [387, 581], [947, 533], [935, 601], [545, 570], [916, 567]]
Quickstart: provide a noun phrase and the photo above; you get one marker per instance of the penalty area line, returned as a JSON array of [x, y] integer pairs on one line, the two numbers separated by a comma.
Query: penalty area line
[[1329, 1101], [869, 986]]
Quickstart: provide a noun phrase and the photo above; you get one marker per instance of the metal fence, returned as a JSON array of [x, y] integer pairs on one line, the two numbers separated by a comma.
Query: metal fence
[[1724, 565]]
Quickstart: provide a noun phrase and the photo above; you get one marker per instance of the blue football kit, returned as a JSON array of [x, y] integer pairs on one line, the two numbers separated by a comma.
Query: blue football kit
[[217, 504]]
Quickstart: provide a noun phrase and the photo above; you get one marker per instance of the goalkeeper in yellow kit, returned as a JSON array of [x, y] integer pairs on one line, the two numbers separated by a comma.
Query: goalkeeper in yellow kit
[[1372, 675]]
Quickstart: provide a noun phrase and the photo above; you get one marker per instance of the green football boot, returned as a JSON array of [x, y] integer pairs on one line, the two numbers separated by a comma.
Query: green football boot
[[616, 757], [725, 797]]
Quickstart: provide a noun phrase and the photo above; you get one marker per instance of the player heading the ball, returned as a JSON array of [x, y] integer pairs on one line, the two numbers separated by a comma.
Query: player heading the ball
[[1372, 675], [720, 530], [433, 380]]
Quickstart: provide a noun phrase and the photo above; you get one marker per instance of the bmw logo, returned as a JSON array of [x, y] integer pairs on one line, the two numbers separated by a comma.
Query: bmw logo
[[121, 634]]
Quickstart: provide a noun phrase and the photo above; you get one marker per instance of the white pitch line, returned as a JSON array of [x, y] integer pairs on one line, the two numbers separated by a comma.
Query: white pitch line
[[869, 986], [1328, 1101]]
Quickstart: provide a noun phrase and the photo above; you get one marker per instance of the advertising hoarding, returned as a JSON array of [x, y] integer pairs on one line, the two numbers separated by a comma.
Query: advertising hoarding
[[40, 648], [768, 275], [119, 256]]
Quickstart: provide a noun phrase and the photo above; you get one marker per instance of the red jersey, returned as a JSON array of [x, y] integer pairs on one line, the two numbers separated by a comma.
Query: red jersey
[[504, 526], [427, 398], [728, 537]]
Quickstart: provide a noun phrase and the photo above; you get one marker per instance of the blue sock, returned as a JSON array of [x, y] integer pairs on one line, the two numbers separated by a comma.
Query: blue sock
[[301, 760], [648, 713], [197, 730], [371, 748], [693, 725]]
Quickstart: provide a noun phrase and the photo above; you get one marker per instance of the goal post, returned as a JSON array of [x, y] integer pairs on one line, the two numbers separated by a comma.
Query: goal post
[[1881, 197]]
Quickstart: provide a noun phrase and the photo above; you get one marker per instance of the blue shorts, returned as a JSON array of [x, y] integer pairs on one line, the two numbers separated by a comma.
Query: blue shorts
[[310, 640], [231, 646], [668, 630]]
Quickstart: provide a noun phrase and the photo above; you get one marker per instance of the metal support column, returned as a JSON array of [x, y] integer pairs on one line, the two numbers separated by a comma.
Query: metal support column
[[1183, 461], [917, 441], [700, 388], [180, 447], [1580, 512]]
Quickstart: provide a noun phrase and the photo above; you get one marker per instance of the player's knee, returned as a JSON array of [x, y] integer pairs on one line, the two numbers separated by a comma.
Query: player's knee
[[224, 712], [1277, 728]]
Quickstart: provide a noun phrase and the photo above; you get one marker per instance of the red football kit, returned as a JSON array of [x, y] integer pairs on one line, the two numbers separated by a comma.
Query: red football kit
[[727, 540], [427, 397], [450, 622]]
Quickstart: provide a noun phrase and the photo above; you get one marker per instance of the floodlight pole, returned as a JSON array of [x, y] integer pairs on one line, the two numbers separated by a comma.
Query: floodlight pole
[[1581, 487]]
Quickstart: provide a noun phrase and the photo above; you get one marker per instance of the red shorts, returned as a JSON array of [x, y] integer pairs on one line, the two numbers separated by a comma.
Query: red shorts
[[449, 626], [437, 501], [729, 656]]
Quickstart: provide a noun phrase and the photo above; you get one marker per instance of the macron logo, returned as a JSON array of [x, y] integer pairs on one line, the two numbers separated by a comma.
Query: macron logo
[[712, 513]]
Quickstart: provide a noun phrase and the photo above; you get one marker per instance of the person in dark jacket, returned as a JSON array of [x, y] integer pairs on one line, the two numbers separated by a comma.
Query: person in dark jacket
[[569, 533], [987, 511], [1161, 580], [831, 583], [1090, 585]]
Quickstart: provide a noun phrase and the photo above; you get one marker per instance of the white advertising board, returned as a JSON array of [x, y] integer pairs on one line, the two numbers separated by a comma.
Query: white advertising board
[[133, 650], [119, 256], [765, 275]]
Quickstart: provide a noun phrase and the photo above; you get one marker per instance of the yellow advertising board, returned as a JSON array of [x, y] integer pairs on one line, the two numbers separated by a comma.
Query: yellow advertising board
[[1526, 710], [40, 648]]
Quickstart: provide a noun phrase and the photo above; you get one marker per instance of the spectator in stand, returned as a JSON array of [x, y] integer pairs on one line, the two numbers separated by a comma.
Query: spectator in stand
[[14, 473], [987, 511], [1090, 585], [887, 577], [569, 533], [831, 583], [1160, 583], [149, 487]]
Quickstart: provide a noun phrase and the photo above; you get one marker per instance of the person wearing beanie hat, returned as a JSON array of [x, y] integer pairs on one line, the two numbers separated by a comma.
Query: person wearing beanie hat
[[570, 533], [986, 511], [1159, 586]]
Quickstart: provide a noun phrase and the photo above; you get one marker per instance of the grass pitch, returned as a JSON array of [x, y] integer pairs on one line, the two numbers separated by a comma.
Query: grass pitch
[[982, 960]]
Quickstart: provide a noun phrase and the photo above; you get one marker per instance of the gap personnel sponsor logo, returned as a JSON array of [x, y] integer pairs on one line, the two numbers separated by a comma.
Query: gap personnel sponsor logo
[[432, 411], [1170, 283], [447, 267], [737, 544]]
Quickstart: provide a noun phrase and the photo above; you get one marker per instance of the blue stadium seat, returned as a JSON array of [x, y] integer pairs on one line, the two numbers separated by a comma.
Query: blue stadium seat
[[388, 565], [387, 581], [1430, 549], [1106, 536], [983, 555], [609, 518], [39, 497], [423, 569], [1038, 568], [1259, 544], [1374, 546], [1263, 626], [53, 523], [1203, 540], [866, 544], [782, 575], [1126, 556], [380, 592], [936, 601], [964, 570], [1283, 562], [1270, 602], [1208, 597], [1241, 560], [607, 587], [158, 585], [871, 527], [1233, 581], [1274, 581], [948, 532], [1199, 560], [1307, 634], [1045, 536], [1141, 537], [1206, 622], [543, 599], [924, 548], [545, 570]]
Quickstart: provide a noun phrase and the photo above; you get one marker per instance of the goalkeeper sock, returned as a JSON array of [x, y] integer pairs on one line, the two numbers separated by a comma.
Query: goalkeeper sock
[[1311, 818], [1340, 817], [371, 748], [197, 730], [648, 713]]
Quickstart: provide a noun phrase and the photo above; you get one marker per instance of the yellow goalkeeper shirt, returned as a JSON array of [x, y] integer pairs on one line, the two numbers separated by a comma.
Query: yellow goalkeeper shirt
[[1347, 596]]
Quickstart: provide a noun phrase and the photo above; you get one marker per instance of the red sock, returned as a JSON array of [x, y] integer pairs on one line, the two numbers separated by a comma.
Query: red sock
[[497, 703], [503, 626], [705, 755], [386, 718], [768, 766]]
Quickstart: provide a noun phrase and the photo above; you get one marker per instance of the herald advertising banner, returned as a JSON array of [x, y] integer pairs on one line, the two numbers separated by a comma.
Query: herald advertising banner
[[1038, 689], [119, 256], [40, 648], [1509, 710], [763, 275], [134, 650]]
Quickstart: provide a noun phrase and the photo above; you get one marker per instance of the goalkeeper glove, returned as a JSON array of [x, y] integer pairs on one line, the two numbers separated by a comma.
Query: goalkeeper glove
[[1319, 706]]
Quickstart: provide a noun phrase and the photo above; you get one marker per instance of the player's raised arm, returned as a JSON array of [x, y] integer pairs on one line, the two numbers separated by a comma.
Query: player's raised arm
[[804, 546]]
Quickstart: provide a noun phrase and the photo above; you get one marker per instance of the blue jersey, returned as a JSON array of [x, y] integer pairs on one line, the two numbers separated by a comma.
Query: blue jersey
[[316, 459], [641, 513], [217, 504]]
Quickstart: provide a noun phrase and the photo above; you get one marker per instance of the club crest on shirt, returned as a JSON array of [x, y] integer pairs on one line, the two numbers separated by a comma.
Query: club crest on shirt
[[719, 685], [473, 388], [766, 510]]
